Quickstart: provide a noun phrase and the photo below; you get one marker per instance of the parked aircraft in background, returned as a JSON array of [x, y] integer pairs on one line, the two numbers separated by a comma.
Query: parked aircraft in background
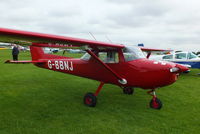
[[50, 50], [3, 48], [75, 51], [181, 57]]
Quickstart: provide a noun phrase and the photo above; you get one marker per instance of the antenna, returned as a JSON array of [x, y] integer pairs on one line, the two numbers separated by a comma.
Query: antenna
[[92, 35], [108, 39]]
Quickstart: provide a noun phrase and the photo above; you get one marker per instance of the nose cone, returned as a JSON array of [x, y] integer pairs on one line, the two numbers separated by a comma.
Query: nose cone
[[182, 68]]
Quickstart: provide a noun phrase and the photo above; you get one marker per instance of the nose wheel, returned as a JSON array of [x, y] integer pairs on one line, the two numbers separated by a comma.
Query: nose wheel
[[155, 103]]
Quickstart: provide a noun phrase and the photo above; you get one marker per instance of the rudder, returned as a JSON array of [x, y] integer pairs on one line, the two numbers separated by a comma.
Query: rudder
[[36, 52]]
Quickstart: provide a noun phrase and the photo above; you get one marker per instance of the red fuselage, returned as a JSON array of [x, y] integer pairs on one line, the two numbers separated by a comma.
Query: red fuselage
[[143, 73]]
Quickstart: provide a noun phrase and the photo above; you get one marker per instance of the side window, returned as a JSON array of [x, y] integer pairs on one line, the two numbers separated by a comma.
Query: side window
[[106, 57], [181, 56], [129, 56], [192, 56], [86, 57], [109, 57], [168, 57]]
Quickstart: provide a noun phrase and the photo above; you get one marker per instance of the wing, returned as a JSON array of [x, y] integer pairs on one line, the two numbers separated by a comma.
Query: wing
[[39, 39], [48, 40], [154, 50], [150, 50]]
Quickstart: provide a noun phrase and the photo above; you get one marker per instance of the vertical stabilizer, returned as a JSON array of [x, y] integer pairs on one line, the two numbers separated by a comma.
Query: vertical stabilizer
[[36, 52]]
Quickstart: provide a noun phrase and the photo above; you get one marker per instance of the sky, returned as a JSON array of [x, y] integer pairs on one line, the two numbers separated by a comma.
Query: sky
[[165, 24]]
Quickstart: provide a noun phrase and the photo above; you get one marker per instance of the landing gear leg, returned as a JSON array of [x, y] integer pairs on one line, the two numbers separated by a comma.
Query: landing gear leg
[[155, 103], [90, 99]]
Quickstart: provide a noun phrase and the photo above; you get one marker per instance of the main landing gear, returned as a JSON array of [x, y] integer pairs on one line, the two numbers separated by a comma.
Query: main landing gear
[[90, 99], [155, 103], [128, 90]]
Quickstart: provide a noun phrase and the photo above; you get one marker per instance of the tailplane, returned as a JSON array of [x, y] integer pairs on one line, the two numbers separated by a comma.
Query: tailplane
[[37, 53]]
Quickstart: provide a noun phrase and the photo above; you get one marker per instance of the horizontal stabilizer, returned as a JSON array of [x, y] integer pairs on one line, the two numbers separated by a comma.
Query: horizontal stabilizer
[[23, 62]]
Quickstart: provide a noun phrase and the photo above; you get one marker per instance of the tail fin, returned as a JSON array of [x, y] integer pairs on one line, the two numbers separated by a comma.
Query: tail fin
[[38, 53]]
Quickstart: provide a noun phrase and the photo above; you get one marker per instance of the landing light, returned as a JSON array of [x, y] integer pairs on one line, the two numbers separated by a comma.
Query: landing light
[[174, 70], [123, 81]]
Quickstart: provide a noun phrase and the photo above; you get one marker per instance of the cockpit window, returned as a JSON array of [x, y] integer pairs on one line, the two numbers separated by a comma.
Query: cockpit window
[[86, 57], [106, 57], [192, 56], [132, 53], [181, 56], [109, 57]]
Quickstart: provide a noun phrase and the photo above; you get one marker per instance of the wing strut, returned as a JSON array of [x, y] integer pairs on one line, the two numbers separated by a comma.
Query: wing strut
[[148, 55], [120, 79]]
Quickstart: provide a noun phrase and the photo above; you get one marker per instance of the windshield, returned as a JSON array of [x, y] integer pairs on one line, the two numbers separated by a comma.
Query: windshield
[[132, 53]]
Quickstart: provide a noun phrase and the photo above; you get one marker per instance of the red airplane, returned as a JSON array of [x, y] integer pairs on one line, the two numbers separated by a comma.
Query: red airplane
[[117, 64]]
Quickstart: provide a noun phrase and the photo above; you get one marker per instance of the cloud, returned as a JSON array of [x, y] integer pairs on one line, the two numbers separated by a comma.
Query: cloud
[[163, 24]]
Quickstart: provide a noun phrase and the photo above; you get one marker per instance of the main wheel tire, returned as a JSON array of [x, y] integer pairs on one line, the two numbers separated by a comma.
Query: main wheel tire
[[90, 100], [128, 90], [155, 103]]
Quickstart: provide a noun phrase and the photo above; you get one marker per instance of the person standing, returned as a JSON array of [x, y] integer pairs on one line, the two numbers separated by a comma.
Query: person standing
[[15, 52]]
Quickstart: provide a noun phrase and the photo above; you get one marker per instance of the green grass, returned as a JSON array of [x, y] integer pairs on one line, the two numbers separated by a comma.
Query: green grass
[[39, 101]]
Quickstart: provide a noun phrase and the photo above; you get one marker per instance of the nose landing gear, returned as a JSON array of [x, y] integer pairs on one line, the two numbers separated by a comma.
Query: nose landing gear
[[155, 103]]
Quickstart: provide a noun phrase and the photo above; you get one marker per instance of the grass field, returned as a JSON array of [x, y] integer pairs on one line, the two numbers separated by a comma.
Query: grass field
[[39, 101]]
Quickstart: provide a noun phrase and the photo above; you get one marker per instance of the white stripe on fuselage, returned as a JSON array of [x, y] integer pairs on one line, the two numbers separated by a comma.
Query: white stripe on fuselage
[[161, 62]]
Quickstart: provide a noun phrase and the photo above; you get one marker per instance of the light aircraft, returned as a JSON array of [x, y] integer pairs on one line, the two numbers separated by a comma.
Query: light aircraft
[[2, 48], [75, 51], [50, 50], [181, 57], [108, 63]]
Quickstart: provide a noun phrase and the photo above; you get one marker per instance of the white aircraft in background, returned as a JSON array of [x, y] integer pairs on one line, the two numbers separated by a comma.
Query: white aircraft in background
[[188, 59], [50, 50]]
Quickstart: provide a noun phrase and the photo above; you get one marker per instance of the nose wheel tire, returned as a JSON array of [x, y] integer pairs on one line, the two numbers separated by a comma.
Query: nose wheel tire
[[155, 103], [90, 100], [128, 90]]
